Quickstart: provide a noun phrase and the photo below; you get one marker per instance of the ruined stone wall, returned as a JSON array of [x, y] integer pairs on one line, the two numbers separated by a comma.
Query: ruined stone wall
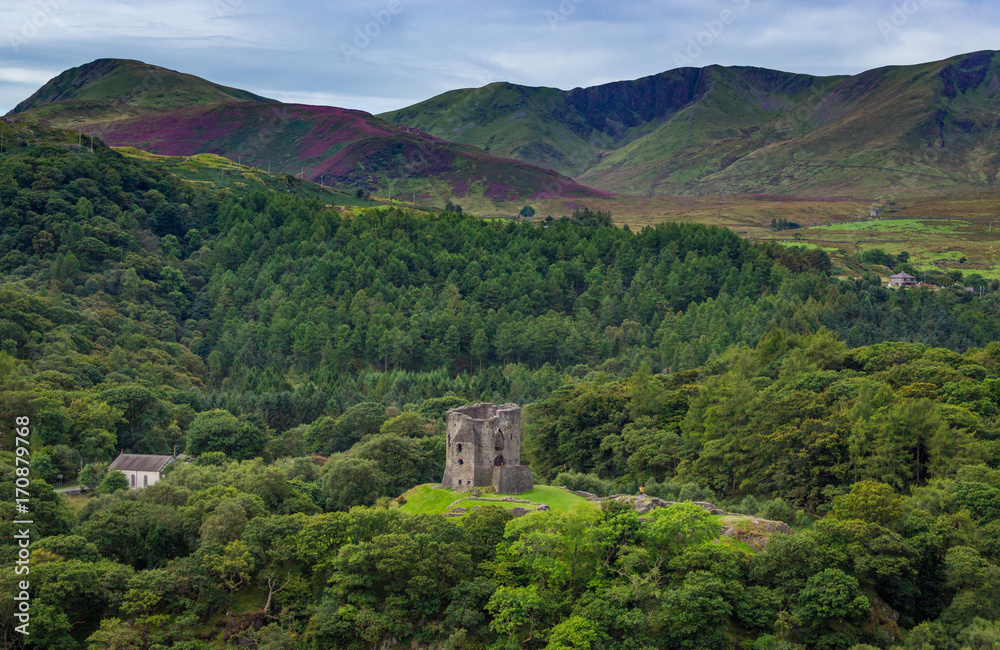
[[512, 480], [481, 439]]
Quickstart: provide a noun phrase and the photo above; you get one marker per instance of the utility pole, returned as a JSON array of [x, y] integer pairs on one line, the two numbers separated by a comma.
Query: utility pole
[[268, 166]]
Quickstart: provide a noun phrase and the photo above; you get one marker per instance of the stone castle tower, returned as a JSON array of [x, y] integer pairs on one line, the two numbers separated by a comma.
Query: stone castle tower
[[484, 448]]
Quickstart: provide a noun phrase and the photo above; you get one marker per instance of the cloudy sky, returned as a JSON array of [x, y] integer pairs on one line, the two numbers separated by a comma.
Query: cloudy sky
[[378, 55]]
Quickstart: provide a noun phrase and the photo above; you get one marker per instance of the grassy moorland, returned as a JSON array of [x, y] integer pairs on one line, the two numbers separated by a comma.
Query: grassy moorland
[[940, 233], [948, 232]]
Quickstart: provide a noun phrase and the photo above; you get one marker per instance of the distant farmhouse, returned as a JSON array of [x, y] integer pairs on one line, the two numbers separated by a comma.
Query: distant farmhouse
[[141, 470], [902, 280]]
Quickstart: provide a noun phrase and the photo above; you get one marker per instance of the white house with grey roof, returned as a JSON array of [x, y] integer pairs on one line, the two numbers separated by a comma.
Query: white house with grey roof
[[141, 470]]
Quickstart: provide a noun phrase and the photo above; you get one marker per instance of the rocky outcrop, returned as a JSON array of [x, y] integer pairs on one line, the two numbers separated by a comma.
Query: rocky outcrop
[[644, 504], [754, 531]]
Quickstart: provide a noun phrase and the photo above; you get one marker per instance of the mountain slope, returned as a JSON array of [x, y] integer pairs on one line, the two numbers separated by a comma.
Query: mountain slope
[[129, 103], [565, 131], [350, 148], [571, 130], [730, 130]]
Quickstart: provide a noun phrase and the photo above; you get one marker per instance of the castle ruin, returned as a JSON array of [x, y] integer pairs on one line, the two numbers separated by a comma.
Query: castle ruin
[[484, 448]]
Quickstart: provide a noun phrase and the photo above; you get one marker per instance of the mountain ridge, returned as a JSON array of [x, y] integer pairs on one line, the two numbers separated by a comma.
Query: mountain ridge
[[916, 130], [742, 129]]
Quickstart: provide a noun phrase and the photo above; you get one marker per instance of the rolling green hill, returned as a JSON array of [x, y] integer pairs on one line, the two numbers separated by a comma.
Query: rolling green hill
[[900, 129]]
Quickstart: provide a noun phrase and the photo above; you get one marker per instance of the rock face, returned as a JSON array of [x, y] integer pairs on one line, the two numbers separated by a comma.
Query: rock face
[[484, 448], [754, 531]]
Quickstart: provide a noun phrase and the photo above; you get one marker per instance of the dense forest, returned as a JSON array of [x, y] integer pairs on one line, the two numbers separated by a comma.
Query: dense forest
[[304, 356]]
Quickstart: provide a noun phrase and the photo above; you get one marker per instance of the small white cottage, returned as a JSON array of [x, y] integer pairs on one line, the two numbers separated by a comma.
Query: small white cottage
[[141, 470]]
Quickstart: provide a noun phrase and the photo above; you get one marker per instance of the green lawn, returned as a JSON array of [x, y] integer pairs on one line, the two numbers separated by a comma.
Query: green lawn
[[426, 499]]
